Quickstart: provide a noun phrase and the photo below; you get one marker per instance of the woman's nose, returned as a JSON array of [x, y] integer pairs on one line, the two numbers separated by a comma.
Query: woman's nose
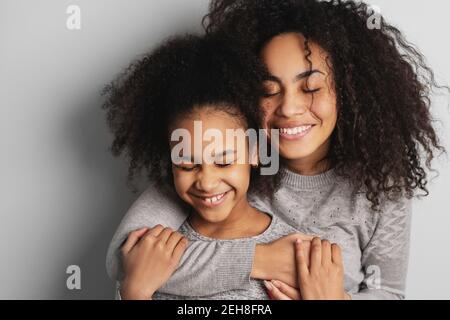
[[292, 104]]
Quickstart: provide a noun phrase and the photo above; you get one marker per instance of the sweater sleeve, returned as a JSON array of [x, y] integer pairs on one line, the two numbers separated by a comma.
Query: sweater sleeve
[[205, 268], [385, 257]]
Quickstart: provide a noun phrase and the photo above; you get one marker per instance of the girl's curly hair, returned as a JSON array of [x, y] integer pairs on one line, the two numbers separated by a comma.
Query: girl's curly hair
[[183, 73], [384, 138]]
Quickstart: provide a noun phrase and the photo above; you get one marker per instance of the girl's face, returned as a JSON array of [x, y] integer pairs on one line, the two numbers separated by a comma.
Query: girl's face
[[299, 100], [215, 187]]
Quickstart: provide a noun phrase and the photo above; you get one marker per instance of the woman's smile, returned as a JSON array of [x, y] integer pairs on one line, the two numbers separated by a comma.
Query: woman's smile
[[295, 132]]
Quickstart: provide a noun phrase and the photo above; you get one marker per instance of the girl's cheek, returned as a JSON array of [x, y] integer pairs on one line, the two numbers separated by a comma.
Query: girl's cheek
[[239, 177], [182, 180]]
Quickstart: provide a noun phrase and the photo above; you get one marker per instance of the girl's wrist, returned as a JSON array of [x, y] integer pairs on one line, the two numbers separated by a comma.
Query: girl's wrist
[[128, 292]]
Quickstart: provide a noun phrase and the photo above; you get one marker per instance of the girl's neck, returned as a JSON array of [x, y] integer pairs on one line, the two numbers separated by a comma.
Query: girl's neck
[[243, 222]]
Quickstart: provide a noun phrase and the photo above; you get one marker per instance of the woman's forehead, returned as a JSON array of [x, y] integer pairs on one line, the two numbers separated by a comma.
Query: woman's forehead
[[286, 56]]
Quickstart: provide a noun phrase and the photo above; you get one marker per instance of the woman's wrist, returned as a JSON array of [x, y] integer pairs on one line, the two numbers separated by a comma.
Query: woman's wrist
[[258, 271]]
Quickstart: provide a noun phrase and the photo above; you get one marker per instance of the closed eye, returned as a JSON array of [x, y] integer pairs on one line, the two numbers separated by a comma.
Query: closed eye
[[311, 90], [223, 165], [184, 168], [268, 95]]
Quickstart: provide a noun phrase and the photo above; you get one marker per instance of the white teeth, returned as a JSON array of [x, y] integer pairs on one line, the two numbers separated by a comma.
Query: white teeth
[[294, 131], [215, 198]]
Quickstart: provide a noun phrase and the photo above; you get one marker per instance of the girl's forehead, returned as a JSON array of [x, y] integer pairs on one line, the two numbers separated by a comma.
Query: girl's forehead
[[210, 118]]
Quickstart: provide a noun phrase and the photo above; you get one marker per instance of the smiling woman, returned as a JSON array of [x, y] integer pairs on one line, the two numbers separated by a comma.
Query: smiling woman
[[300, 101], [351, 107]]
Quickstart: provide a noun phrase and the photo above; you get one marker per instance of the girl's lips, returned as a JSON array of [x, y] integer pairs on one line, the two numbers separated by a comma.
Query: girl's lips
[[295, 135], [215, 201]]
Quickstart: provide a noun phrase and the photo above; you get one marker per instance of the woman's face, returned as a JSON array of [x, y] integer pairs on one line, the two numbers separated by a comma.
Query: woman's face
[[299, 100]]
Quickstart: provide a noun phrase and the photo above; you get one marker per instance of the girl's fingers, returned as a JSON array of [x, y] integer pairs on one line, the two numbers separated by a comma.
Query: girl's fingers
[[336, 254], [292, 293], [156, 230], [132, 239], [302, 267], [173, 240], [165, 234], [316, 253], [326, 252], [274, 293], [179, 249]]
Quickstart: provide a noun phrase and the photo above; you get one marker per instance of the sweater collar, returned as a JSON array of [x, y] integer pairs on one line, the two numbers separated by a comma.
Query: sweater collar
[[301, 182]]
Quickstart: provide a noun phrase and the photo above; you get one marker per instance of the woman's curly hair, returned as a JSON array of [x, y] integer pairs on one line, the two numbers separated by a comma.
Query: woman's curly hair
[[183, 73], [384, 138]]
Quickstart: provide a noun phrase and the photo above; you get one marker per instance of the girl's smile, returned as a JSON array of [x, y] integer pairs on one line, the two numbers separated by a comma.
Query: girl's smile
[[211, 201]]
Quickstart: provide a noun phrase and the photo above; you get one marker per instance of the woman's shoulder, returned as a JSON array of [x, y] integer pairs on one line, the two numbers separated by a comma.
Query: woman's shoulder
[[157, 198]]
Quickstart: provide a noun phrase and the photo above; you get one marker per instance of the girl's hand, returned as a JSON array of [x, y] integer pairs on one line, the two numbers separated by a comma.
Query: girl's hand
[[324, 279], [150, 257], [276, 260]]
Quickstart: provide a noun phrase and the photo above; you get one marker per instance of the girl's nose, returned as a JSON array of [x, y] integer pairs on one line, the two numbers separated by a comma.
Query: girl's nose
[[207, 180]]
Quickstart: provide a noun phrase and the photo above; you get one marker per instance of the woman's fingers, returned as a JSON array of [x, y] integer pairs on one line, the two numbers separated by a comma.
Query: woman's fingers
[[304, 237], [292, 293], [274, 292], [336, 254], [302, 266], [132, 239], [316, 253], [326, 253]]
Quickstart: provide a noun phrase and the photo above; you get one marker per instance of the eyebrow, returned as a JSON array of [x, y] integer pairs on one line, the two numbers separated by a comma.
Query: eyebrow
[[224, 153], [298, 77]]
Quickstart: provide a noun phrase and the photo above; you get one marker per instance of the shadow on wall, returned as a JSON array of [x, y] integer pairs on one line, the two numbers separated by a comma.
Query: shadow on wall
[[107, 201]]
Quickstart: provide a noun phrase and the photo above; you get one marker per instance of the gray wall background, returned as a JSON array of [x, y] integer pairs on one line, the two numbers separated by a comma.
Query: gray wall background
[[63, 194]]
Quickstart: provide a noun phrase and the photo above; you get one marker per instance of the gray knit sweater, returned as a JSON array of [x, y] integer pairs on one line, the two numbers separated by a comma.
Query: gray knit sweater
[[375, 245], [256, 290]]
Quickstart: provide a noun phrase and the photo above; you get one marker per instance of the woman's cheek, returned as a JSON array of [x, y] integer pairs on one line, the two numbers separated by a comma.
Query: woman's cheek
[[325, 111], [267, 108]]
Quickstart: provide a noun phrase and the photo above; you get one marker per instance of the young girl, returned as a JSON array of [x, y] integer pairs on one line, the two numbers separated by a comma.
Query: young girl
[[351, 104], [197, 86]]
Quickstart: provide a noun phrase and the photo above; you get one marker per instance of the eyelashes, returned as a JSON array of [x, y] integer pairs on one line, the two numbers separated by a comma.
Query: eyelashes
[[311, 90], [190, 169], [307, 91]]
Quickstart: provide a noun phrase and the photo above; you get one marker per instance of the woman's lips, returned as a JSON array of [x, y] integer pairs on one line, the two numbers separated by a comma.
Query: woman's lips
[[294, 133]]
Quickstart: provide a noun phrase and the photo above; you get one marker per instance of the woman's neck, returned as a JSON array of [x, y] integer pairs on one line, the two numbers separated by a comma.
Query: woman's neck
[[243, 222], [312, 165]]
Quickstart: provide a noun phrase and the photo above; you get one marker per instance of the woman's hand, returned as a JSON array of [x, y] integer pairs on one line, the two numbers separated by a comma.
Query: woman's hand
[[150, 256], [278, 290], [276, 260], [324, 278]]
